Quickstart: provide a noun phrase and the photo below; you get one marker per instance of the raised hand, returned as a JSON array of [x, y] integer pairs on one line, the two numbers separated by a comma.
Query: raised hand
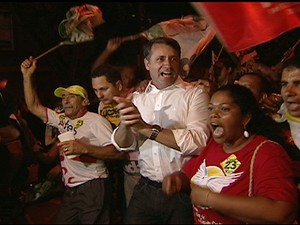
[[28, 66], [129, 114], [113, 44]]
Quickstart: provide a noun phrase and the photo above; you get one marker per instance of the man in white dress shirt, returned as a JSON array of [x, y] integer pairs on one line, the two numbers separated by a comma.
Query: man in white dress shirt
[[168, 123]]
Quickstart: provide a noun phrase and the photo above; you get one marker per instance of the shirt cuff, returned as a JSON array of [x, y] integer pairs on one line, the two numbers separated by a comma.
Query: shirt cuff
[[130, 148]]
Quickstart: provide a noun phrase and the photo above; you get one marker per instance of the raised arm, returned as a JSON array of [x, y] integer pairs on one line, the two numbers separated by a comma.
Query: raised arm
[[28, 68], [134, 37], [131, 121], [123, 136], [112, 45]]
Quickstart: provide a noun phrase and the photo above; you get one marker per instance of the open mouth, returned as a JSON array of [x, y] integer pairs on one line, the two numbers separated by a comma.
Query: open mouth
[[217, 130], [67, 107], [166, 74], [292, 105], [214, 126]]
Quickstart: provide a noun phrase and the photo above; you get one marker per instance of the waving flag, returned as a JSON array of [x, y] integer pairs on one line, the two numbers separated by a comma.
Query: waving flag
[[192, 33], [241, 25], [78, 26]]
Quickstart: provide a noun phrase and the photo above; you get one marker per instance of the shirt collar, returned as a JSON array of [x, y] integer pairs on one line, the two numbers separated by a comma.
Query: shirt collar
[[179, 83], [292, 118], [285, 115]]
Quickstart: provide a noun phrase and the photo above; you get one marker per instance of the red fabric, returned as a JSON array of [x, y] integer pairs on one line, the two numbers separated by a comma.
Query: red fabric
[[241, 25]]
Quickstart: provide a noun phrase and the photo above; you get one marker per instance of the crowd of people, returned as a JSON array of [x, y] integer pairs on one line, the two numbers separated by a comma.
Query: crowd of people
[[220, 146]]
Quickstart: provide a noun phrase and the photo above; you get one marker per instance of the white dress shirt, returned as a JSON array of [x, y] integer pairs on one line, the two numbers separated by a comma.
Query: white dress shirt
[[182, 108]]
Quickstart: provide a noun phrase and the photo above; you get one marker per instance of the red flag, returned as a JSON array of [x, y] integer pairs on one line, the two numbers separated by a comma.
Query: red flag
[[241, 25]]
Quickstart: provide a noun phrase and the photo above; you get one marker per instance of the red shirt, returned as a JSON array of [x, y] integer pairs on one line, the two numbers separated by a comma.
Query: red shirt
[[230, 174]]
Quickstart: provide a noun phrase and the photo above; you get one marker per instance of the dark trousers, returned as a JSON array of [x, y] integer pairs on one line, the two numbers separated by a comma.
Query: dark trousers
[[88, 203], [150, 205]]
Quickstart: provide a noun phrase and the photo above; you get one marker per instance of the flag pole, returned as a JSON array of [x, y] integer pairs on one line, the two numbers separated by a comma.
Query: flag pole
[[210, 70], [50, 50], [218, 56], [288, 53]]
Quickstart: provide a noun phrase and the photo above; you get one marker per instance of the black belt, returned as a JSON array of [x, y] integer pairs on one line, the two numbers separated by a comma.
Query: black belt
[[152, 183]]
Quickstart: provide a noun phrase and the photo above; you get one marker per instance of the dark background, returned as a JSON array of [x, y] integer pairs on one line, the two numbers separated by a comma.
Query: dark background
[[35, 31]]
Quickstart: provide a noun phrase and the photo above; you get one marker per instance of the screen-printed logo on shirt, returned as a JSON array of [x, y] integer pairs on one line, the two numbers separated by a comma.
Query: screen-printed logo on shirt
[[230, 164]]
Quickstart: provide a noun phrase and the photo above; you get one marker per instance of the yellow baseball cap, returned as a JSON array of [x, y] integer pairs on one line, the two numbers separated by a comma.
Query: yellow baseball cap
[[74, 89]]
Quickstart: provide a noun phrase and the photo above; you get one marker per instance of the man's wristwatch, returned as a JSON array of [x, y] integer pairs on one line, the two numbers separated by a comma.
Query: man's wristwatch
[[155, 130]]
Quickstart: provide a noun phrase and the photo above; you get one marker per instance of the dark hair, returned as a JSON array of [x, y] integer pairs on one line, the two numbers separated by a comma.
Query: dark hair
[[260, 123], [161, 40], [226, 61], [7, 104], [220, 64], [112, 75], [266, 84], [293, 64]]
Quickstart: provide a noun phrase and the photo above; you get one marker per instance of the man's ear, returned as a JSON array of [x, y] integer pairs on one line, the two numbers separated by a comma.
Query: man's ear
[[86, 102], [119, 85], [146, 63]]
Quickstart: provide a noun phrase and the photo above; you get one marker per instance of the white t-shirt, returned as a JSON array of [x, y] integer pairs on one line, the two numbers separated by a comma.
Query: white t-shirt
[[91, 129]]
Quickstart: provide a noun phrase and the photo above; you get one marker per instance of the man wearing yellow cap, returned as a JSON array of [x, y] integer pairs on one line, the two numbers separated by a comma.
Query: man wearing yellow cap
[[87, 195]]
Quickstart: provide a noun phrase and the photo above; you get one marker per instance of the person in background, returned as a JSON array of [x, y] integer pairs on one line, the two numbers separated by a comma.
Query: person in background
[[290, 115], [107, 83], [262, 90], [258, 85], [11, 166], [129, 71], [12, 149], [168, 124], [87, 195], [223, 72], [49, 180], [14, 172], [244, 171], [15, 146]]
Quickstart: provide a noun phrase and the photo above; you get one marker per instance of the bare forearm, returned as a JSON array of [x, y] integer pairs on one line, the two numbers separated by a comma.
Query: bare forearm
[[251, 209], [28, 68], [32, 100], [102, 58], [46, 158], [29, 93], [8, 133], [133, 37], [107, 152], [164, 137], [124, 136]]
